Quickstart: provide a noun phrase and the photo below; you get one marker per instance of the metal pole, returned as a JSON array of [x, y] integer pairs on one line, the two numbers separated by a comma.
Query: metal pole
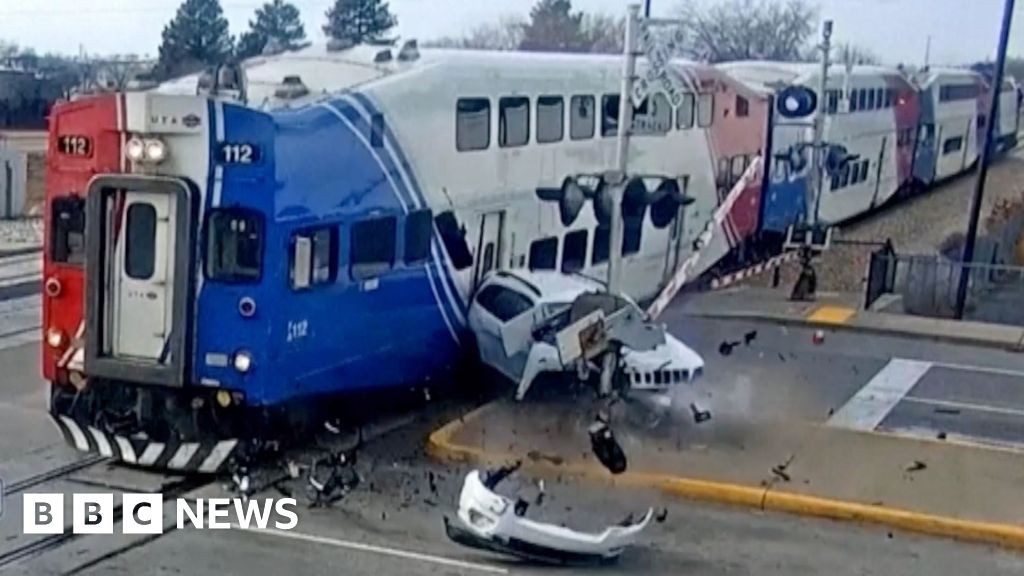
[[979, 182], [618, 180], [647, 8], [817, 151]]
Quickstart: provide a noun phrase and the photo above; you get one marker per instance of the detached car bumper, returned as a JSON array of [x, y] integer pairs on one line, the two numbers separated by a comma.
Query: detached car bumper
[[663, 367]]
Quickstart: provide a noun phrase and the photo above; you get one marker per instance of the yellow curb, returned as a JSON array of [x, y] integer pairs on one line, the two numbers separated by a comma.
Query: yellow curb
[[441, 447], [831, 315]]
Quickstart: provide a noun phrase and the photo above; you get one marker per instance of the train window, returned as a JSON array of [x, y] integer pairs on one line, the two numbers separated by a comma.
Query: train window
[[454, 238], [854, 101], [602, 239], [313, 259], [705, 110], [653, 115], [504, 303], [832, 101], [862, 99], [835, 181], [377, 129], [684, 119], [952, 145], [372, 250], [234, 250], [739, 165], [544, 254], [609, 115], [574, 251], [879, 98], [140, 241], [724, 171], [888, 97], [844, 176], [582, 118], [871, 100], [67, 240], [865, 166], [513, 122], [742, 107], [418, 227], [550, 119], [473, 124]]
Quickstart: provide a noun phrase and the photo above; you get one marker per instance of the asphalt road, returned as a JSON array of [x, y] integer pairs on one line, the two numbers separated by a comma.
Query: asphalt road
[[392, 524]]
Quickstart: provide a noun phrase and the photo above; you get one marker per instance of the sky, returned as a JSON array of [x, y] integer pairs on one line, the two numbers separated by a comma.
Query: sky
[[897, 30]]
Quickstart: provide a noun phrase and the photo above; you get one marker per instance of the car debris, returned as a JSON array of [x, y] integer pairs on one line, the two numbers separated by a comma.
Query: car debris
[[662, 516], [914, 466], [489, 521], [699, 415], [726, 348], [606, 447], [947, 411], [818, 338], [749, 337]]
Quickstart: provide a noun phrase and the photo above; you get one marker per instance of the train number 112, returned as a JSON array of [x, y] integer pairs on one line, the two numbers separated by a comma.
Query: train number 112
[[239, 154]]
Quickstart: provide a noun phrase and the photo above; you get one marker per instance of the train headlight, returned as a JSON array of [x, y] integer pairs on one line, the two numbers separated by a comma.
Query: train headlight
[[156, 151], [135, 150], [243, 361], [55, 338]]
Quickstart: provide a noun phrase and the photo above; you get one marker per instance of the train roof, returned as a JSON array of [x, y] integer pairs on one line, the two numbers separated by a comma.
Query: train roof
[[323, 71], [769, 76]]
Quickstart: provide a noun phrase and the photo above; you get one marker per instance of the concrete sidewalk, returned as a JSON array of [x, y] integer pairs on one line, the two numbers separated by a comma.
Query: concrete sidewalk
[[806, 468], [842, 310]]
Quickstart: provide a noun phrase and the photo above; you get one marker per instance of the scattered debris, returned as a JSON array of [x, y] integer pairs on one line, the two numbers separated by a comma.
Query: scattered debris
[[725, 348], [541, 492], [489, 521], [949, 411], [749, 337], [941, 436], [333, 476], [699, 416], [537, 456], [782, 357], [915, 466], [781, 473], [426, 394], [430, 482], [818, 338], [662, 516], [831, 411], [606, 447]]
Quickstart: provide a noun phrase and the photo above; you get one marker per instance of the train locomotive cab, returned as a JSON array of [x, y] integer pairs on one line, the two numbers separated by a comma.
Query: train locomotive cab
[[127, 254]]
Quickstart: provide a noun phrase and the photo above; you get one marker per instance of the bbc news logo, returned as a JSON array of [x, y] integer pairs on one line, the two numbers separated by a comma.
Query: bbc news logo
[[144, 513]]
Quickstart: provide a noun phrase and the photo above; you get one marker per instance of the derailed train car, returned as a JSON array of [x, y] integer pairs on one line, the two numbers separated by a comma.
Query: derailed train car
[[224, 253]]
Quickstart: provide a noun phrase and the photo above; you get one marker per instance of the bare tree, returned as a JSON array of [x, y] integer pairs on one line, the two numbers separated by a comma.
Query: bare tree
[[505, 34], [851, 54], [749, 30], [604, 34]]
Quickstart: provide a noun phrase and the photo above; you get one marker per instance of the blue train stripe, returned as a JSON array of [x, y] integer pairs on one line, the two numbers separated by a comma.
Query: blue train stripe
[[438, 254], [396, 189], [409, 175]]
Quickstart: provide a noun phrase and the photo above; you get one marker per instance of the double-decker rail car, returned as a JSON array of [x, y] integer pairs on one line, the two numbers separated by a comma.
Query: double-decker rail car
[[228, 250], [953, 108], [870, 112]]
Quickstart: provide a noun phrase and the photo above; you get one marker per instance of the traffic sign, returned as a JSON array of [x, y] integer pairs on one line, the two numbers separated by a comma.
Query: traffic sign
[[659, 76]]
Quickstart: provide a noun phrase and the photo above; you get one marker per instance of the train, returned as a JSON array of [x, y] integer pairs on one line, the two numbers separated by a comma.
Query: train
[[228, 251]]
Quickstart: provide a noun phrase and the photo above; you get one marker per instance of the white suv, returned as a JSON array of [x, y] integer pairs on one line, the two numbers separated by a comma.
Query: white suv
[[515, 316]]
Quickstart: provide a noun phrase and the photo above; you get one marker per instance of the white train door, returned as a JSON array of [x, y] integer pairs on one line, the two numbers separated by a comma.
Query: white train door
[[488, 249], [141, 270]]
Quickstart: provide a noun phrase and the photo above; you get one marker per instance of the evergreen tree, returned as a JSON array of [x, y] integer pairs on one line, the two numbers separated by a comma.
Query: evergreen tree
[[359, 21], [195, 38], [554, 28], [276, 21]]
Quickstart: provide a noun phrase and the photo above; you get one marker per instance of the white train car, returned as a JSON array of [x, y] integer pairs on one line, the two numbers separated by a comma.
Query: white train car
[[870, 111], [952, 106], [1009, 114], [494, 138]]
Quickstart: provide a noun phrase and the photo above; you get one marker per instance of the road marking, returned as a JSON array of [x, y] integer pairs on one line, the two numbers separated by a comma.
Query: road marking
[[965, 406], [988, 369], [872, 403], [383, 550], [831, 315]]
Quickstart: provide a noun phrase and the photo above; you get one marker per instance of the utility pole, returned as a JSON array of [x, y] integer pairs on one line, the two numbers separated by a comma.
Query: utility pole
[[979, 182], [818, 149], [647, 8], [616, 179], [928, 51]]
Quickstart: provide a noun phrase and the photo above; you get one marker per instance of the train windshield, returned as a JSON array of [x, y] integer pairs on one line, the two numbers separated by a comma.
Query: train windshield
[[68, 229], [234, 245]]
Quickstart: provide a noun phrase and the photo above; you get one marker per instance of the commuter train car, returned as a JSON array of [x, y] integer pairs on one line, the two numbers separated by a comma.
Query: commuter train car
[[953, 106], [1009, 114], [871, 112], [321, 233]]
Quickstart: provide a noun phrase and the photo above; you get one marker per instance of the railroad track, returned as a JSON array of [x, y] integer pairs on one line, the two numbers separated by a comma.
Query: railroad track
[[20, 304]]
